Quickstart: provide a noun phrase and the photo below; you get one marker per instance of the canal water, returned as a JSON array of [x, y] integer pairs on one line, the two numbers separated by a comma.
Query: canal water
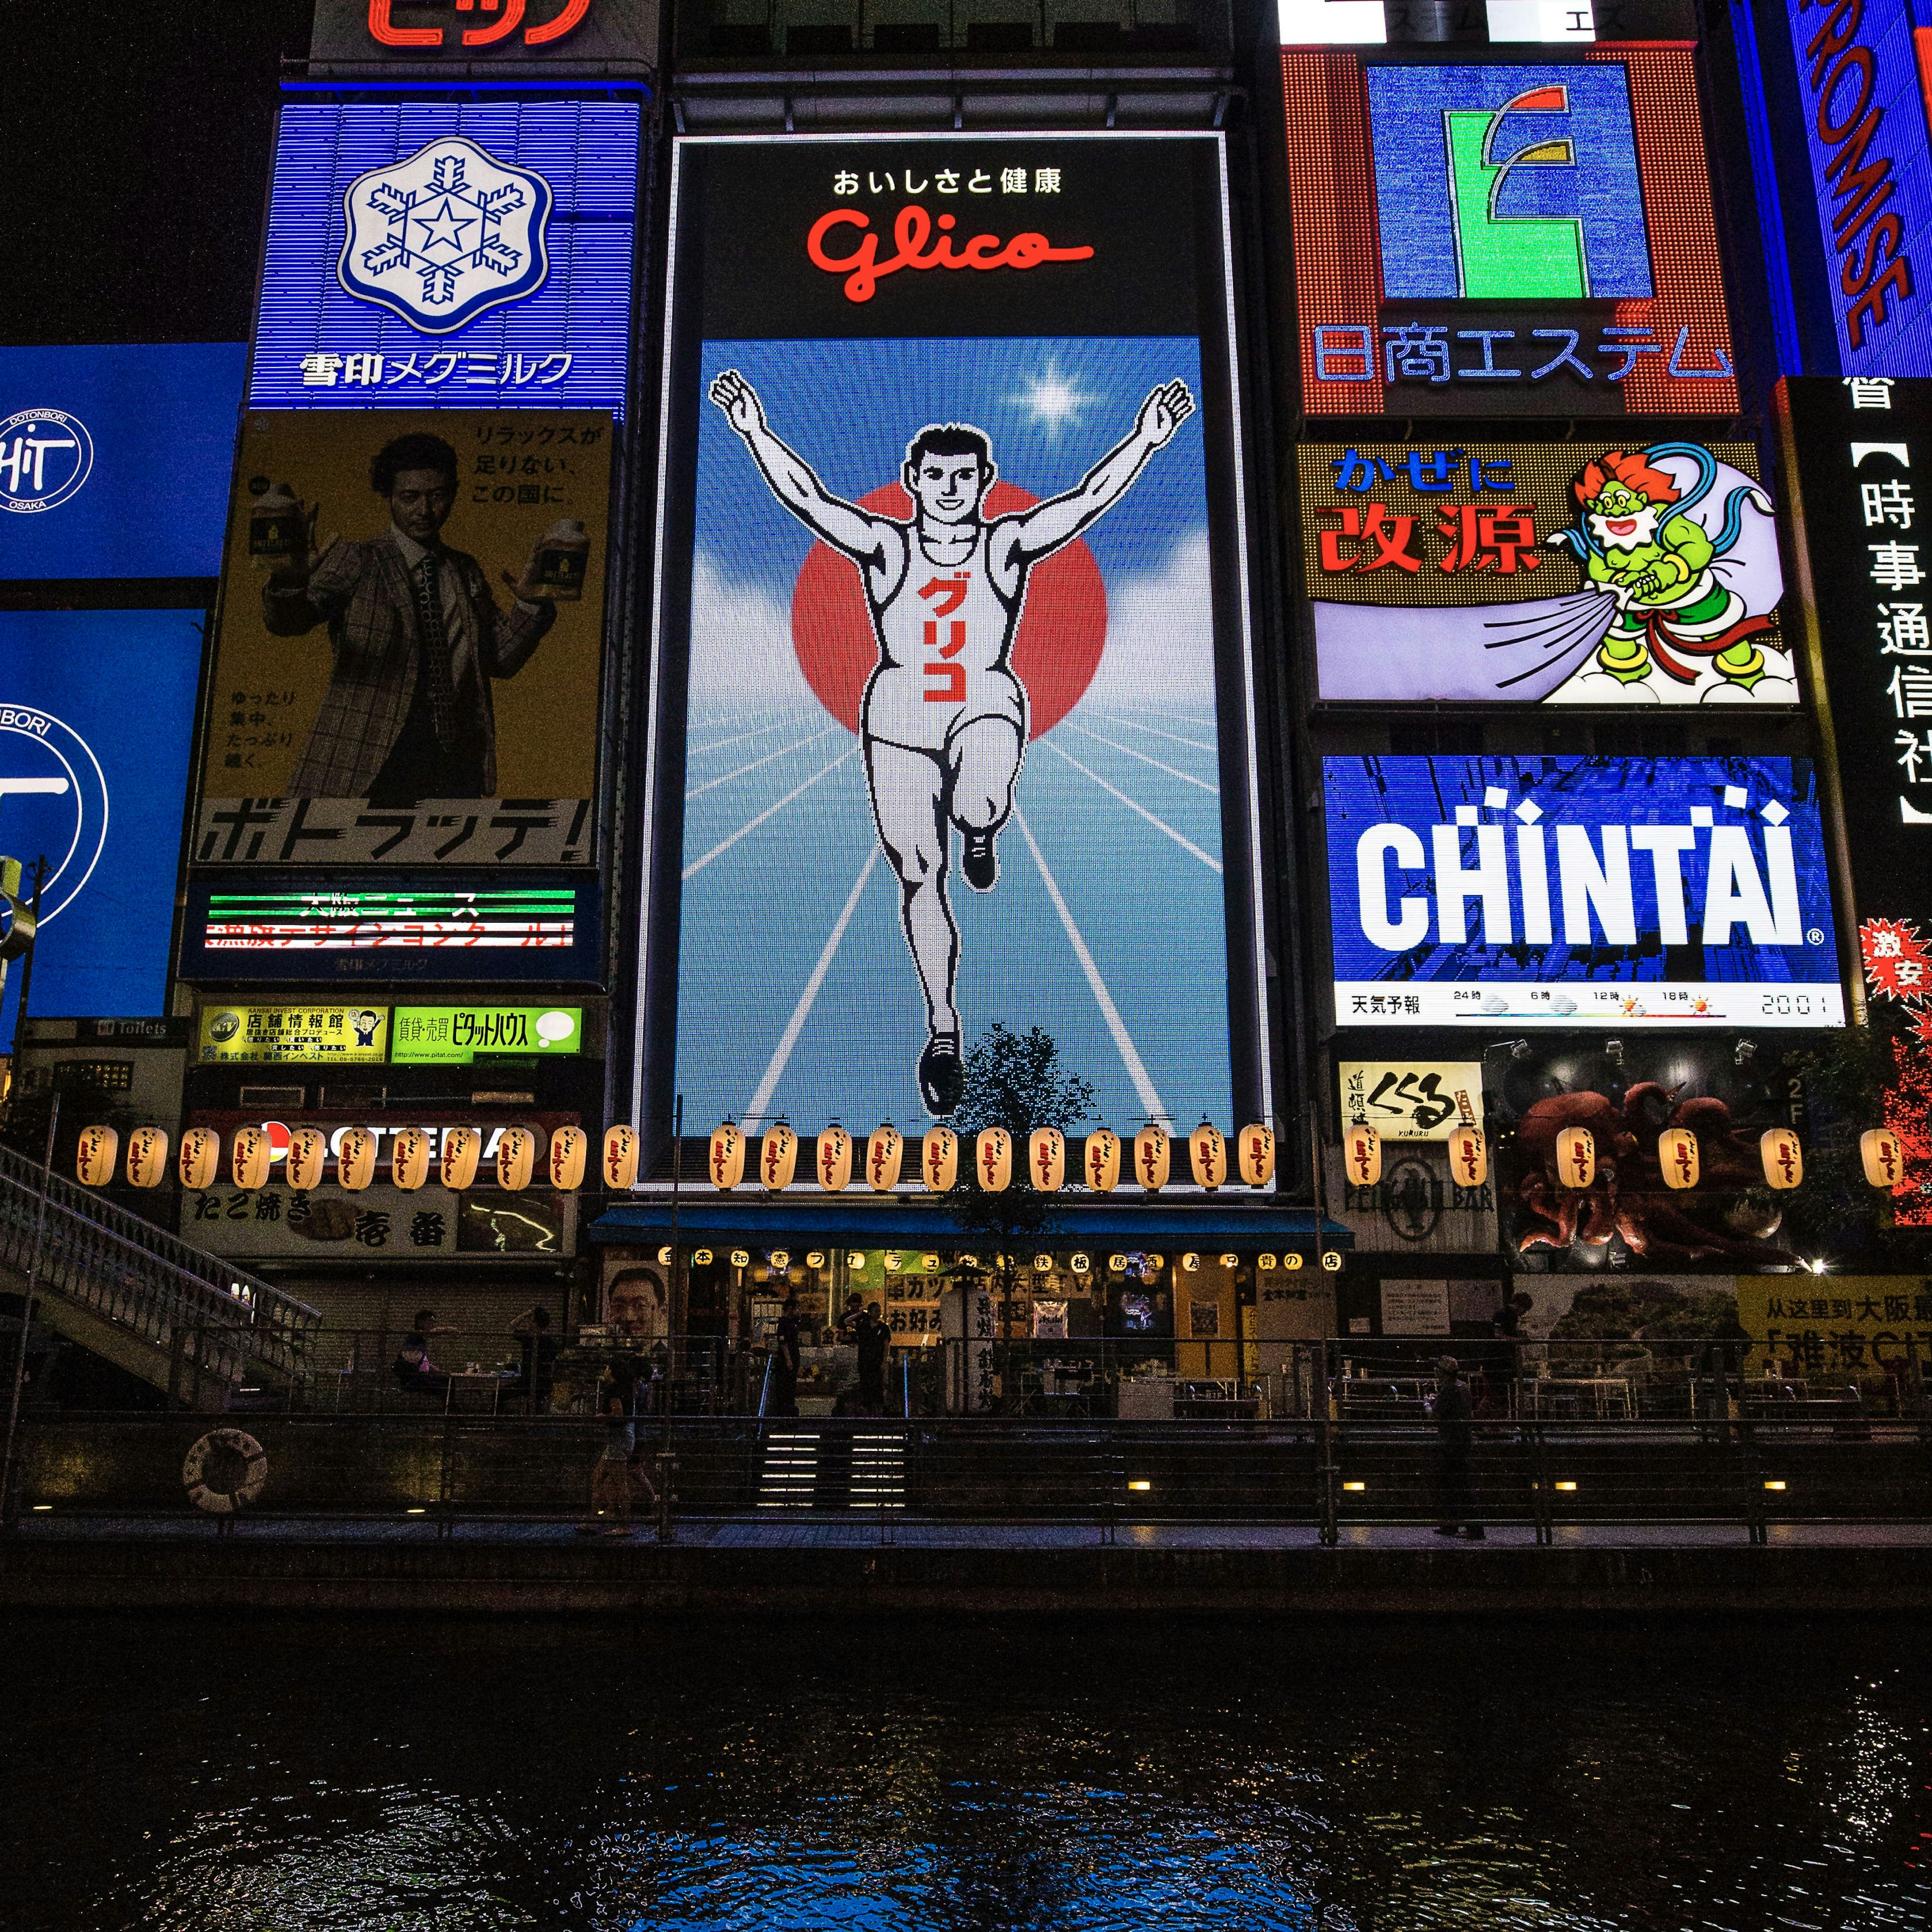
[[957, 1773]]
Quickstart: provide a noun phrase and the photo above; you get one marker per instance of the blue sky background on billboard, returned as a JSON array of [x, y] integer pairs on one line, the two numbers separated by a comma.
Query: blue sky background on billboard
[[114, 461], [798, 993], [1579, 891], [108, 777], [451, 212]]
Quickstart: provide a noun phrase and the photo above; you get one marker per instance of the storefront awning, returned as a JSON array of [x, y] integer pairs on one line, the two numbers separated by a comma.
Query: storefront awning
[[860, 1223]]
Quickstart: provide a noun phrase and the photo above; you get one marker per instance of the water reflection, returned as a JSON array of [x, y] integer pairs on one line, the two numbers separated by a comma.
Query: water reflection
[[951, 1774]]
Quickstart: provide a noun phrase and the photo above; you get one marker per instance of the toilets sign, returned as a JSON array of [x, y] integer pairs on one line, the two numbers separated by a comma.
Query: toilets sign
[[1579, 892]]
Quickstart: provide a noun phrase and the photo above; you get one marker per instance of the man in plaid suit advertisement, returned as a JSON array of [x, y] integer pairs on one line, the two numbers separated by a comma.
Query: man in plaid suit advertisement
[[416, 638]]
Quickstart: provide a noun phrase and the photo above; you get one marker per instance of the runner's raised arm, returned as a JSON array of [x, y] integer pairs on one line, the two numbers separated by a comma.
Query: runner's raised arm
[[843, 526], [1048, 526]]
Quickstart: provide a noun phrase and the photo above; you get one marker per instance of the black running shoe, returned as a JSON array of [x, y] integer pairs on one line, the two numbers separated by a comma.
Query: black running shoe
[[978, 861], [942, 1075]]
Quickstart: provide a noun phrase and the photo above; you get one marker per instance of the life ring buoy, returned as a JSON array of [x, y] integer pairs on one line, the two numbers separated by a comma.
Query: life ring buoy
[[227, 1494]]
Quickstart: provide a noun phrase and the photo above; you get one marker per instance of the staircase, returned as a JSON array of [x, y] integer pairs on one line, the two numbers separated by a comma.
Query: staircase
[[838, 1468], [184, 1321]]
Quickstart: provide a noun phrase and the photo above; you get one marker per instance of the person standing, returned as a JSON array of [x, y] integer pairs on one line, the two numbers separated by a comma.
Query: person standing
[[614, 1472], [875, 1337], [786, 1363], [538, 1347], [1455, 1433]]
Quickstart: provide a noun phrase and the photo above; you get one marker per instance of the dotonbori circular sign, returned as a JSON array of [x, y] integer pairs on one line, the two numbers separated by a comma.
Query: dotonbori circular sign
[[53, 798], [45, 456]]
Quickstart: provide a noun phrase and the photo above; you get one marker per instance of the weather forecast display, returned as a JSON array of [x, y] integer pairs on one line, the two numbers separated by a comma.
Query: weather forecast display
[[1579, 892], [961, 737], [467, 255], [95, 783], [1504, 237]]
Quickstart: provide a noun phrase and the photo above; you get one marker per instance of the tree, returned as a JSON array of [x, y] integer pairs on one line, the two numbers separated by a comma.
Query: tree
[[1017, 1081]]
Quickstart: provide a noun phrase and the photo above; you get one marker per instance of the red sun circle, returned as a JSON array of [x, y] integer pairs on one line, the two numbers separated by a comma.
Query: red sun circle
[[1062, 627]]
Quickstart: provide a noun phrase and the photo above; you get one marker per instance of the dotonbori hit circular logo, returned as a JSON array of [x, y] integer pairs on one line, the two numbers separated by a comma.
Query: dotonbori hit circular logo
[[45, 455], [53, 798]]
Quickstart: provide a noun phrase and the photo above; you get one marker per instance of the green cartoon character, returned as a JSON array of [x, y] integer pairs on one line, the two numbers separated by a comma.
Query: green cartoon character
[[1636, 541]]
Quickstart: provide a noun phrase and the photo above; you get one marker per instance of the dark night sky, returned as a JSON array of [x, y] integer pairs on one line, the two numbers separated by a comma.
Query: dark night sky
[[136, 143]]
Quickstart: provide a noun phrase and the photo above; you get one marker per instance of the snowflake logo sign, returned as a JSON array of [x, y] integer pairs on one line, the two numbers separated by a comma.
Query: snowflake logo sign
[[440, 238]]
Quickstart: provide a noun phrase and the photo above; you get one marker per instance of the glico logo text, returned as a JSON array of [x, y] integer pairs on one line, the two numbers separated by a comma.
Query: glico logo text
[[912, 229], [1507, 183], [383, 29]]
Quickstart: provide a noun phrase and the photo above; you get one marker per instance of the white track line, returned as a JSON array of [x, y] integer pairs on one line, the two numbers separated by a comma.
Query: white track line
[[775, 1072], [724, 845], [1129, 1054], [1194, 743], [1185, 778], [1160, 824], [756, 764], [719, 744]]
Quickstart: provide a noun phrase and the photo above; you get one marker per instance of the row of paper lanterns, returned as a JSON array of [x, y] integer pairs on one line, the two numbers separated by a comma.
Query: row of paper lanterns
[[251, 1154], [1149, 1156], [1078, 1263], [1880, 1152]]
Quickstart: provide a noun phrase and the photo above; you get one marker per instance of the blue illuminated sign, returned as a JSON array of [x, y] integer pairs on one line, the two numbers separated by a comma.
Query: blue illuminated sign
[[114, 462], [1515, 183], [1864, 111], [472, 254], [96, 783], [1579, 892]]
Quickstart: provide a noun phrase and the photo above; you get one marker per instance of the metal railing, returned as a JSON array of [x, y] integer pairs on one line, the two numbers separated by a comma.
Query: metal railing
[[1328, 1477], [198, 1313]]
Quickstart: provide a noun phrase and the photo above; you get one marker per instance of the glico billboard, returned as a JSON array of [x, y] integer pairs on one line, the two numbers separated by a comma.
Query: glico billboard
[[954, 721], [1504, 237], [466, 255], [1579, 893]]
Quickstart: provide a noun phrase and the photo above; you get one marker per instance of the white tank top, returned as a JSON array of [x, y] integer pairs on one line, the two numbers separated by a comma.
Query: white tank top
[[944, 635]]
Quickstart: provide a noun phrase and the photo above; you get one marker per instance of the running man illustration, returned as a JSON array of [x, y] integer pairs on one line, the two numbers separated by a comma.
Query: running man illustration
[[943, 722]]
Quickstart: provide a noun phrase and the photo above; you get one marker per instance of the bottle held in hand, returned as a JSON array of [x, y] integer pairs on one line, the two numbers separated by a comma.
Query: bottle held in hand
[[563, 561], [276, 537]]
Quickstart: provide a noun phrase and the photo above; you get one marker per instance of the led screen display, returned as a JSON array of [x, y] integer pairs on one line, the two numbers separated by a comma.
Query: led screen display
[[952, 643], [1503, 236], [1578, 891], [398, 929], [1573, 573], [114, 462], [324, 746], [428, 254], [97, 715], [582, 33]]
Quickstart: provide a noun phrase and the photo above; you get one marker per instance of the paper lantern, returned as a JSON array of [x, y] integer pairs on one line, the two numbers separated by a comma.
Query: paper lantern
[[307, 1160], [700, 1257], [939, 1159], [1291, 1261], [740, 1257], [1331, 1260], [1081, 1264], [1207, 1155], [1046, 1159], [885, 1155], [569, 1153], [834, 1158], [1265, 1264], [778, 1157], [1153, 1153], [1783, 1158], [1117, 1263], [815, 1258], [1575, 1157], [200, 1159], [248, 1157], [1100, 1161], [409, 1158], [147, 1156], [1468, 1157], [355, 1158], [1361, 1155], [726, 1162], [1257, 1154], [620, 1158], [1230, 1260], [1191, 1264], [94, 1155], [993, 1160], [1043, 1264], [780, 1259], [462, 1149], [1677, 1155], [1883, 1155], [516, 1159]]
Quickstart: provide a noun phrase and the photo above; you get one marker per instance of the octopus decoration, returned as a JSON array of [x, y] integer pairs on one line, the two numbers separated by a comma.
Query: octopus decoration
[[1628, 1197]]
